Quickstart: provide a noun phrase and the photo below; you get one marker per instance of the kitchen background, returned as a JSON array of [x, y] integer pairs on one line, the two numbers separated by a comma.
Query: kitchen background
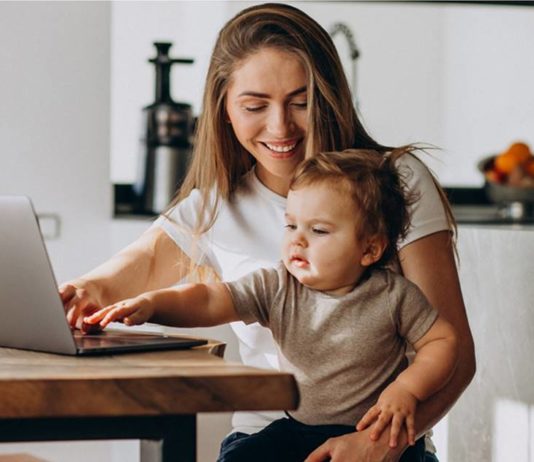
[[456, 76], [75, 77]]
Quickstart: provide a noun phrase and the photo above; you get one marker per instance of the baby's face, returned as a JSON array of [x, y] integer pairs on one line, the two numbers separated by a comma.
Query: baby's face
[[321, 248]]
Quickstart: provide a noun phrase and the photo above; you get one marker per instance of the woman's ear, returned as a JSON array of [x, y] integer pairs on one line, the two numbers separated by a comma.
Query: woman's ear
[[374, 249]]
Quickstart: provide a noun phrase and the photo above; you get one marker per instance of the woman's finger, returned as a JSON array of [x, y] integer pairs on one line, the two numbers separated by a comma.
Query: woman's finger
[[322, 453], [76, 309], [66, 292]]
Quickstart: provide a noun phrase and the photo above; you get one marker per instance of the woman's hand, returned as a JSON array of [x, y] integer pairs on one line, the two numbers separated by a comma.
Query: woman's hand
[[358, 447], [152, 262], [80, 298], [131, 312], [396, 405]]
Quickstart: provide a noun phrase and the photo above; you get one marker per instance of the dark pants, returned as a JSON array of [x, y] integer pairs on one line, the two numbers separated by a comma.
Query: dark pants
[[287, 440]]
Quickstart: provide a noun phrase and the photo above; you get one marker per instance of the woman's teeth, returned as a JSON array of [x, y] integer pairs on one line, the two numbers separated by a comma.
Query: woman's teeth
[[286, 148]]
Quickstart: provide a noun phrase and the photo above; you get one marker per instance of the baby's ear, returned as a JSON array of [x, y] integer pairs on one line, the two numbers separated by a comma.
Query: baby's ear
[[374, 249]]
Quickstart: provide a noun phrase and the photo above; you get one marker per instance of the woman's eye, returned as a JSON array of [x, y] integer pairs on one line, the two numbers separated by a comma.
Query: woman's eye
[[253, 108], [291, 227], [300, 105]]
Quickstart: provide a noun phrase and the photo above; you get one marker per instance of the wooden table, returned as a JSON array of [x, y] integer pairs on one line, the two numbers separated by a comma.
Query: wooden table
[[151, 396]]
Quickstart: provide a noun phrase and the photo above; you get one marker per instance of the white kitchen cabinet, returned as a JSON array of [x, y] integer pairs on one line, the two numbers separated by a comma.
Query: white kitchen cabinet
[[493, 419]]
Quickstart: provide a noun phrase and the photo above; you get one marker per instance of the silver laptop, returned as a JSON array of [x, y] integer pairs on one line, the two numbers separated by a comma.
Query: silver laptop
[[31, 312]]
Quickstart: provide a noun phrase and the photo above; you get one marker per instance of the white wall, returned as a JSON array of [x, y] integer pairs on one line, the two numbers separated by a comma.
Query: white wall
[[54, 120], [487, 86], [455, 76], [192, 28]]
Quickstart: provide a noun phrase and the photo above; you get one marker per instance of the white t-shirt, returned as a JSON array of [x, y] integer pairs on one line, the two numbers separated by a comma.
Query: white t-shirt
[[247, 235]]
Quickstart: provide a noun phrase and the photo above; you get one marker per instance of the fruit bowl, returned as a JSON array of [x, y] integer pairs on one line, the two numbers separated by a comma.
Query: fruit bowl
[[502, 193]]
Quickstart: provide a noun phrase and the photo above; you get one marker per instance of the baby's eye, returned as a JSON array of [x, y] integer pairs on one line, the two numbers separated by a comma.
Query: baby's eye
[[290, 227], [319, 231]]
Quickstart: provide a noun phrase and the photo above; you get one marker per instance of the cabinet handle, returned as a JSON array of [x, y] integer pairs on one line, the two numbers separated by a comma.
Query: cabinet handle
[[50, 224]]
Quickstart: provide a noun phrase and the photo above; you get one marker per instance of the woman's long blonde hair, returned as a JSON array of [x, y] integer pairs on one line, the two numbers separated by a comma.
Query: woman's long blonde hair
[[219, 161]]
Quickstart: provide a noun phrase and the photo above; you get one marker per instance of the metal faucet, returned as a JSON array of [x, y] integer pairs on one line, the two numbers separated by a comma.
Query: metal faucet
[[354, 53]]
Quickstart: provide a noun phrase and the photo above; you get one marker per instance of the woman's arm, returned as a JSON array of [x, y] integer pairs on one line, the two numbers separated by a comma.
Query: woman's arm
[[429, 263], [151, 262]]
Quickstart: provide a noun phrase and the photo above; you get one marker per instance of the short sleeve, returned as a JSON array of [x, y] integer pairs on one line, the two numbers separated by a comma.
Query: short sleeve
[[427, 214], [412, 312], [181, 224], [254, 295]]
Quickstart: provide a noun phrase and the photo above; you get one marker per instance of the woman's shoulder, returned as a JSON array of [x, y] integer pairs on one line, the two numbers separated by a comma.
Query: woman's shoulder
[[427, 212], [413, 170]]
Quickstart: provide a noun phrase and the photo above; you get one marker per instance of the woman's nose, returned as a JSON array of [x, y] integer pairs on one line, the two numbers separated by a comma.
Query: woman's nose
[[280, 122]]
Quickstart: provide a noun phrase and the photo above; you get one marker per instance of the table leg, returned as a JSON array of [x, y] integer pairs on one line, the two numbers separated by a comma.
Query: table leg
[[163, 438], [177, 445]]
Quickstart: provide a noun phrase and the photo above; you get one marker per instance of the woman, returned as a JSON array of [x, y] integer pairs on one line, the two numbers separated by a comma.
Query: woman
[[275, 93]]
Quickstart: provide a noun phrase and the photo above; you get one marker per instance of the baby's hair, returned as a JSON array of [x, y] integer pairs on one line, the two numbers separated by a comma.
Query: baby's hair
[[375, 185]]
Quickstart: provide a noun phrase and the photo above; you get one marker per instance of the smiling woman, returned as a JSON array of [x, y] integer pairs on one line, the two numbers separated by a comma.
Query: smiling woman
[[275, 93], [269, 113]]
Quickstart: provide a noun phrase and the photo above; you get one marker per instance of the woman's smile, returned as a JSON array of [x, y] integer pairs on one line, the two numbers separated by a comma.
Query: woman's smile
[[282, 150]]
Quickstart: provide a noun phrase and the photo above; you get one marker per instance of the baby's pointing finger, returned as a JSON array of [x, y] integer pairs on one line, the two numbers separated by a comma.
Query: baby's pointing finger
[[99, 315], [117, 314]]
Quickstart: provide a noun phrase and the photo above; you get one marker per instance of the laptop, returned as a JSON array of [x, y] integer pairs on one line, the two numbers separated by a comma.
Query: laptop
[[32, 316]]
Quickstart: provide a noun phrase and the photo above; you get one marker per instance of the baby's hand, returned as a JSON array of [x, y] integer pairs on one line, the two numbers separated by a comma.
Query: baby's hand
[[132, 311], [395, 405]]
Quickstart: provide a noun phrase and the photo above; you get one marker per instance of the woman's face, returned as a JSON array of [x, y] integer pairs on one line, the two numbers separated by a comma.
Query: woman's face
[[266, 105]]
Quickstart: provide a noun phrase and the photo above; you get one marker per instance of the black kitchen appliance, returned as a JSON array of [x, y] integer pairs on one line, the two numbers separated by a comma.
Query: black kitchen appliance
[[165, 141]]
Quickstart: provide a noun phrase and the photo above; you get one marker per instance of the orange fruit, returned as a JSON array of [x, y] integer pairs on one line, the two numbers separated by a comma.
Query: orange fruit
[[519, 150], [529, 167], [505, 163], [494, 176], [517, 154]]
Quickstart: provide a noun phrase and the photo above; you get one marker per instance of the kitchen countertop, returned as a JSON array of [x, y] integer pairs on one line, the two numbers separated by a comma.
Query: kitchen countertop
[[470, 206], [488, 215]]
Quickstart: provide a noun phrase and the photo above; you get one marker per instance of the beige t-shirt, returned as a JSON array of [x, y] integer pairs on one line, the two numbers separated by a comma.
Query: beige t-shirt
[[343, 350]]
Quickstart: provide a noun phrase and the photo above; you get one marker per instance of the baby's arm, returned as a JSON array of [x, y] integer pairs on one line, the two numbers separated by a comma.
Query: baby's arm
[[435, 361], [190, 305]]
